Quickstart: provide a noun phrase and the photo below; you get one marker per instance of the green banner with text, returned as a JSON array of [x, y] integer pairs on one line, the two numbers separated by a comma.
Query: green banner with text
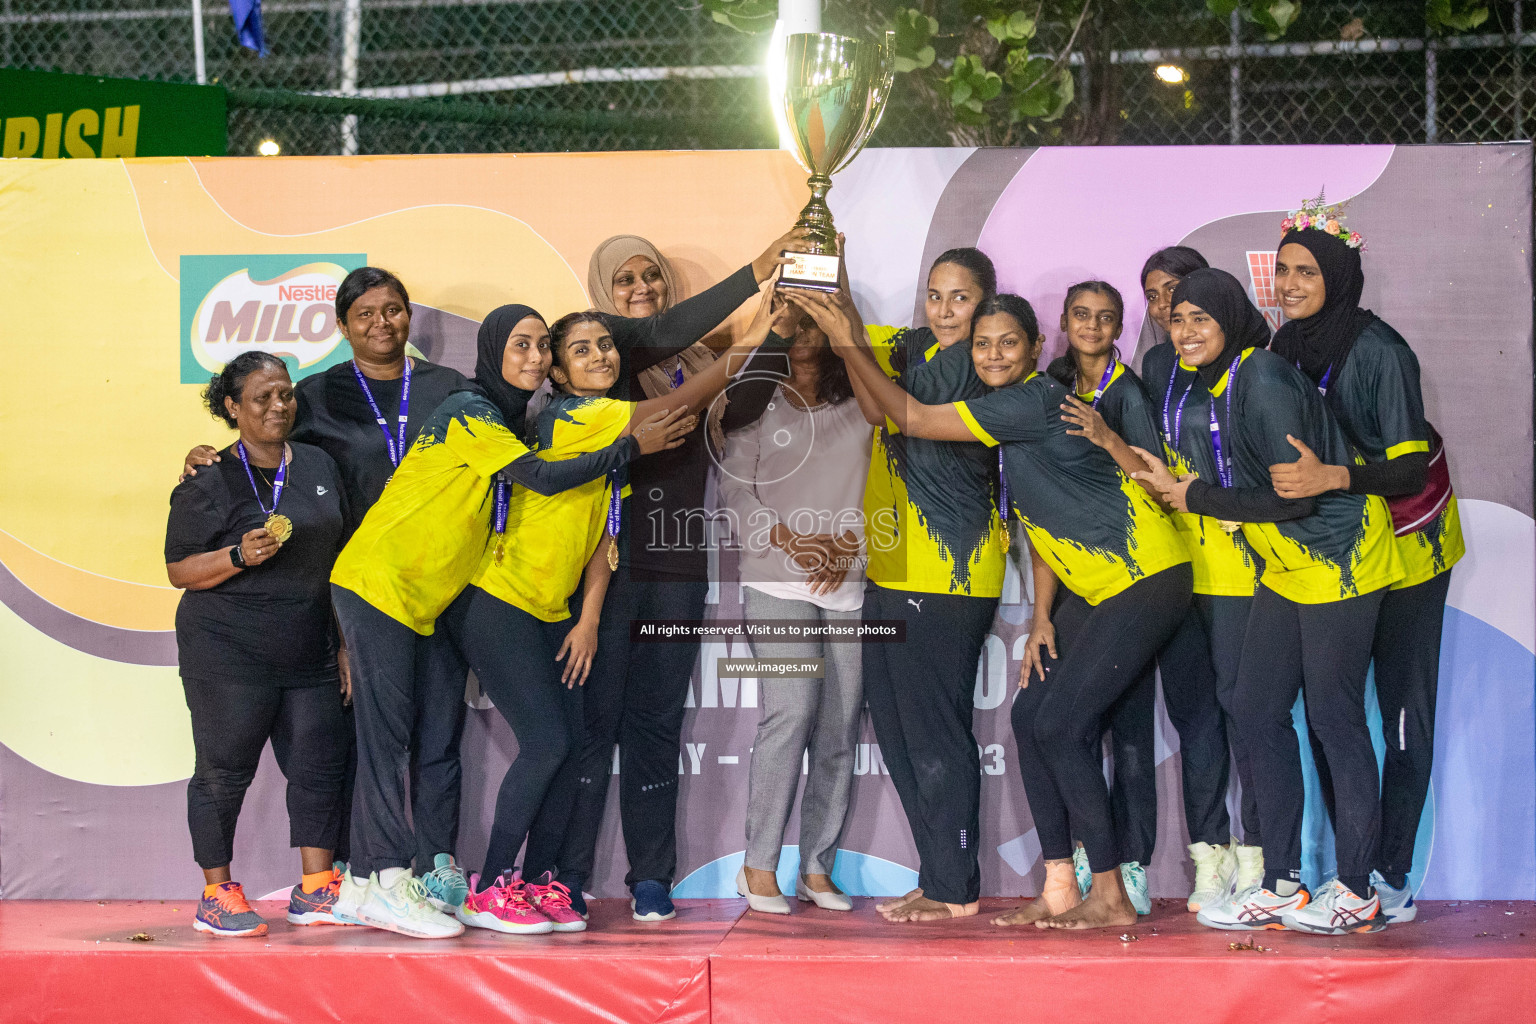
[[52, 115]]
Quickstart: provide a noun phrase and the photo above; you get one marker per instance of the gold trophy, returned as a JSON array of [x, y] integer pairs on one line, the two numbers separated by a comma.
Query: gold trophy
[[835, 88]]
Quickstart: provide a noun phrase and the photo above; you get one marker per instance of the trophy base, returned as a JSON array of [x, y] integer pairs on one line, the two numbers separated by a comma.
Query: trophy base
[[810, 271]]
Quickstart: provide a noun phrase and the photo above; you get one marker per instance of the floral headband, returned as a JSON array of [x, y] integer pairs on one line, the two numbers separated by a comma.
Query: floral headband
[[1317, 216]]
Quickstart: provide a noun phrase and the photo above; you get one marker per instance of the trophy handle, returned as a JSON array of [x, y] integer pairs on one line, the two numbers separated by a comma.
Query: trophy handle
[[879, 92]]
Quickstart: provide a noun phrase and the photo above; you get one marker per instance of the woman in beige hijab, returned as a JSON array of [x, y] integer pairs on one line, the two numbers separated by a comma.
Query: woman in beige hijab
[[630, 277]]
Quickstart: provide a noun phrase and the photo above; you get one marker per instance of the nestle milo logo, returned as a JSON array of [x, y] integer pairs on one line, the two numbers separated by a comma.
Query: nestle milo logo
[[285, 305]]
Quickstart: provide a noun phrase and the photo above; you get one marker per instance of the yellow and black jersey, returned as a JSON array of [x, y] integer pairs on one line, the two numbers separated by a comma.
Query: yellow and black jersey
[[1225, 564], [1123, 402], [422, 541], [1345, 547], [1378, 402], [1096, 528], [930, 507], [550, 538]]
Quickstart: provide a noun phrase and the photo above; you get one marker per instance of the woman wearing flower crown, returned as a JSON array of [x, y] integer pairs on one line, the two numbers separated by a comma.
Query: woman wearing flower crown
[[1370, 379], [1328, 561]]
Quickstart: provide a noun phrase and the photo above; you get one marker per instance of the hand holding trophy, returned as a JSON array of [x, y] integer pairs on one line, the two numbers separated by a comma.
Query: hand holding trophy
[[834, 93]]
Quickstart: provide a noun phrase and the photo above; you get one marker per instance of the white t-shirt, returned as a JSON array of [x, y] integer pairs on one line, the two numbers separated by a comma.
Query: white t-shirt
[[804, 468]]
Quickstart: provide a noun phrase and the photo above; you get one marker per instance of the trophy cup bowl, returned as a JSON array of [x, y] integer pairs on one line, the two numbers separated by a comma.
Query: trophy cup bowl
[[835, 88]]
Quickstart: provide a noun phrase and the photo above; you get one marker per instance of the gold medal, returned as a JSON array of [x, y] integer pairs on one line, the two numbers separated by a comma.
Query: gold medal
[[613, 554], [1228, 525], [501, 550], [280, 527]]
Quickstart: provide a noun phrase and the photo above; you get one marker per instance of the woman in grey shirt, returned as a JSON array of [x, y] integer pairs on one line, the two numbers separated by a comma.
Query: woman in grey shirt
[[793, 485]]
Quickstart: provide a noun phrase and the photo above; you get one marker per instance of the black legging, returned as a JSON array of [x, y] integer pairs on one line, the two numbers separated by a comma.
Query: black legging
[[513, 655], [1322, 650], [1058, 724], [921, 697], [1226, 623], [1189, 695], [231, 723], [1406, 651], [635, 697]]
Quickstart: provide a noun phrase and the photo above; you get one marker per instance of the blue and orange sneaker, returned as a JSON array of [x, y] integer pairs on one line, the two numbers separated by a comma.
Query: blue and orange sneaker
[[316, 907], [227, 914]]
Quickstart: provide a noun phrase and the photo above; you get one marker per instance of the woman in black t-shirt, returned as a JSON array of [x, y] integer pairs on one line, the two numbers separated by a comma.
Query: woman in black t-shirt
[[252, 543]]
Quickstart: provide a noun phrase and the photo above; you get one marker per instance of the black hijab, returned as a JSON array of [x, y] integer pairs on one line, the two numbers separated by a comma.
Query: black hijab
[[490, 347], [1223, 297], [1324, 339]]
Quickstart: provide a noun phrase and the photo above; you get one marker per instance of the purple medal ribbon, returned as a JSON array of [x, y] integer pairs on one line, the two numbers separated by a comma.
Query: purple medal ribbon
[[1322, 385], [503, 503], [1002, 479], [396, 449], [277, 481], [1224, 463], [1109, 371], [615, 506], [1175, 428], [677, 378]]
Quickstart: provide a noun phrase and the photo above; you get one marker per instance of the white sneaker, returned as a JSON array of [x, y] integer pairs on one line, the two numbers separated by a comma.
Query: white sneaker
[[403, 908], [1253, 909], [349, 896], [1214, 869], [1337, 911], [1250, 867], [1396, 904]]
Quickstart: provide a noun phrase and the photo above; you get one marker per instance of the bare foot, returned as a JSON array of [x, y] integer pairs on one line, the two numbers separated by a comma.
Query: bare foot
[[819, 883], [924, 909], [1107, 906], [1057, 896], [762, 883], [886, 906]]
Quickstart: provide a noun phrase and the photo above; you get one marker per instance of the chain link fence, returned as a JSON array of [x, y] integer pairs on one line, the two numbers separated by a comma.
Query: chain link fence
[[413, 76]]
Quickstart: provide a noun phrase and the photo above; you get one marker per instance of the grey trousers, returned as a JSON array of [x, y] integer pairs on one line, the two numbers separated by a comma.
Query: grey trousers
[[819, 715]]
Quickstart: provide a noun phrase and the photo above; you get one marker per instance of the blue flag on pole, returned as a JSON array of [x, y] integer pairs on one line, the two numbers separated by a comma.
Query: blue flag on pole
[[247, 15]]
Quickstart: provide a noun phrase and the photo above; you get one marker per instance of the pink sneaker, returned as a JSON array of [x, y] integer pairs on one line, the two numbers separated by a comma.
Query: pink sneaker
[[503, 907], [553, 900]]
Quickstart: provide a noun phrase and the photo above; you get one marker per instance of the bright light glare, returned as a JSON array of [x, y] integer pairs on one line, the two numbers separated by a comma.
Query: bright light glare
[[776, 85], [268, 147], [1172, 74]]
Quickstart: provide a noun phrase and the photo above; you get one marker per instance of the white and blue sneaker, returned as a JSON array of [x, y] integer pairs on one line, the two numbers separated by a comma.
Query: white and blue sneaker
[[1253, 909], [1397, 905], [1337, 911], [403, 908], [349, 895], [1135, 878], [1081, 869], [651, 902], [446, 885]]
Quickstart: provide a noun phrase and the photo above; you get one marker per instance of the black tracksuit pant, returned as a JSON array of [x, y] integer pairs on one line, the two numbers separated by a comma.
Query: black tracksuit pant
[[1322, 651], [1058, 723], [921, 694], [1226, 624], [408, 704], [1406, 652], [634, 697], [1189, 694]]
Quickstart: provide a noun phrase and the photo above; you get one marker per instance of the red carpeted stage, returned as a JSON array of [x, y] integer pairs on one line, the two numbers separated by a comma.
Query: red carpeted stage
[[91, 962]]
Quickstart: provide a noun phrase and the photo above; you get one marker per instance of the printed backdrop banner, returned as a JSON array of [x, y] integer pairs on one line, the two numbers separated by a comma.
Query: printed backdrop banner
[[125, 283]]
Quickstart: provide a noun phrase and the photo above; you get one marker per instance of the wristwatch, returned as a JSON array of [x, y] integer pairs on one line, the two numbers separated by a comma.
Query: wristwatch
[[237, 557]]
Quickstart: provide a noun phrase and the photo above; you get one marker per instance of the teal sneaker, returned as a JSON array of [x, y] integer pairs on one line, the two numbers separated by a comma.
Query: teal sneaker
[[1081, 869], [1135, 878], [445, 884]]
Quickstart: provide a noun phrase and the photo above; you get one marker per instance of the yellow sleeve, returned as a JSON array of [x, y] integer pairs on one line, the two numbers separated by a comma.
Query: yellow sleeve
[[485, 445], [882, 340], [589, 427]]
